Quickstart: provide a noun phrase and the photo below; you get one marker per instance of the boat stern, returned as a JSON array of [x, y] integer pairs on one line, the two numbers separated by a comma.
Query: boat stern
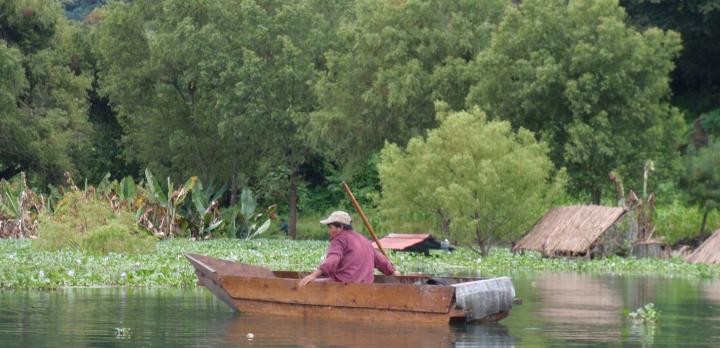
[[485, 300]]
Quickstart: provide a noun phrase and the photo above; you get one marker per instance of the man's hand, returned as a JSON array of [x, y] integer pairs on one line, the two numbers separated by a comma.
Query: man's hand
[[310, 277], [396, 273]]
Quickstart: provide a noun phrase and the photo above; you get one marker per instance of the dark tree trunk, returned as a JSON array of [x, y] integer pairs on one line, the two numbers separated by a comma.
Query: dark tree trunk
[[445, 223], [484, 243], [702, 226], [292, 206], [233, 189], [595, 195]]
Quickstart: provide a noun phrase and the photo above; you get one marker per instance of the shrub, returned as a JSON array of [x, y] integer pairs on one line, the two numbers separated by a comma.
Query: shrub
[[676, 222], [702, 180], [113, 237], [89, 224], [482, 181]]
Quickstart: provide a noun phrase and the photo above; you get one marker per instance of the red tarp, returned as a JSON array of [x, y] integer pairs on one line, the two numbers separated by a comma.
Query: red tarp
[[400, 241]]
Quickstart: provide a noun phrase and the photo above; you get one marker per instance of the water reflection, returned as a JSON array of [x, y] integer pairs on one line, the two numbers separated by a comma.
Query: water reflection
[[304, 332], [490, 335], [286, 331], [711, 291], [582, 310], [558, 310], [582, 307]]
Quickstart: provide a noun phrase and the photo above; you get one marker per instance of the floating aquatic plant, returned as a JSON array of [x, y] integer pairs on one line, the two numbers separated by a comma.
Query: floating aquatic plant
[[645, 315], [122, 332], [27, 268]]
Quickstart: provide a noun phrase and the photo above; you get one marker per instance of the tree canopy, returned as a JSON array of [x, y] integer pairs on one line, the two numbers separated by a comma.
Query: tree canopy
[[696, 80], [594, 88], [220, 89], [395, 59], [207, 87], [42, 98]]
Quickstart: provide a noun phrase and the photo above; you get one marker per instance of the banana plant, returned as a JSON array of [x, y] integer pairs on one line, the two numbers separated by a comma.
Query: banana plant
[[10, 200], [17, 203], [242, 219], [159, 213], [51, 200], [204, 213], [126, 190], [105, 187]]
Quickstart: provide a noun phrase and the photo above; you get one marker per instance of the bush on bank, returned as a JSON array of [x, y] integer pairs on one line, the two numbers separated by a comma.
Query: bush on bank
[[85, 222]]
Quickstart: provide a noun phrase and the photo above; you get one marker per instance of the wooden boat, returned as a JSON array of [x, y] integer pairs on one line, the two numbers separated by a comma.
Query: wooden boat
[[412, 298]]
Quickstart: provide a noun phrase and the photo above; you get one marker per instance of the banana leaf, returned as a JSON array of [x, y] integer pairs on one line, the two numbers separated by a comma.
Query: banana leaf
[[156, 191], [248, 204], [260, 230], [126, 189]]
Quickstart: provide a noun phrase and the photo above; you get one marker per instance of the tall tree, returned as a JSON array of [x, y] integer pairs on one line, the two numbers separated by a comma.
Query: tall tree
[[105, 153], [396, 58], [307, 29], [594, 88], [696, 81], [43, 122], [215, 88]]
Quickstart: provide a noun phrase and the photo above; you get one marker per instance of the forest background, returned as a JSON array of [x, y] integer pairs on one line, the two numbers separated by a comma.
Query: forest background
[[463, 118]]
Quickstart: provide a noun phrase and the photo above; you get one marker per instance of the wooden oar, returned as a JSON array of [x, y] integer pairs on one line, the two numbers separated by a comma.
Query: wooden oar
[[359, 210]]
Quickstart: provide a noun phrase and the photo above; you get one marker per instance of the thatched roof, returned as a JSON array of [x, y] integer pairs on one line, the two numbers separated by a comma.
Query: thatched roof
[[708, 251], [569, 230]]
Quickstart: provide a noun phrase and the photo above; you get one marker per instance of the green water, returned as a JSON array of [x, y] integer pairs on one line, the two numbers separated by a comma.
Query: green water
[[558, 310]]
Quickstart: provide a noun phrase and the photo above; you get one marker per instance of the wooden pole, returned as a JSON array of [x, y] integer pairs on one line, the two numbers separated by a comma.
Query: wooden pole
[[359, 210]]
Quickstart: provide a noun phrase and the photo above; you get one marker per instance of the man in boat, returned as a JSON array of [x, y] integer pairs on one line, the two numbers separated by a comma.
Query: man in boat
[[350, 257]]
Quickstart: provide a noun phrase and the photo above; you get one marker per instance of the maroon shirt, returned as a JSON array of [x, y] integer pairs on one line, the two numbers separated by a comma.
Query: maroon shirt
[[351, 259]]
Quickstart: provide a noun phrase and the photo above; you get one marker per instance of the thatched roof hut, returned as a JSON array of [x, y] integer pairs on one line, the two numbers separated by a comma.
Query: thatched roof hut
[[570, 230], [708, 251]]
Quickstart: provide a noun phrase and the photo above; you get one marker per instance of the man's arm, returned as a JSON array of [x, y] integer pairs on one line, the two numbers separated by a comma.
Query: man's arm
[[310, 277], [383, 264], [333, 257]]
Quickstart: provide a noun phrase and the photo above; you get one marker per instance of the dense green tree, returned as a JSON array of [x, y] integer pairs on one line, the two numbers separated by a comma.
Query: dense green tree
[[702, 180], [595, 89], [216, 88], [396, 58], [480, 181], [105, 152], [13, 144], [696, 80], [43, 122]]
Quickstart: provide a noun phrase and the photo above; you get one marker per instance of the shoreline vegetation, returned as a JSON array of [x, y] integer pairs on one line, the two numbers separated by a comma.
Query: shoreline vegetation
[[26, 268]]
